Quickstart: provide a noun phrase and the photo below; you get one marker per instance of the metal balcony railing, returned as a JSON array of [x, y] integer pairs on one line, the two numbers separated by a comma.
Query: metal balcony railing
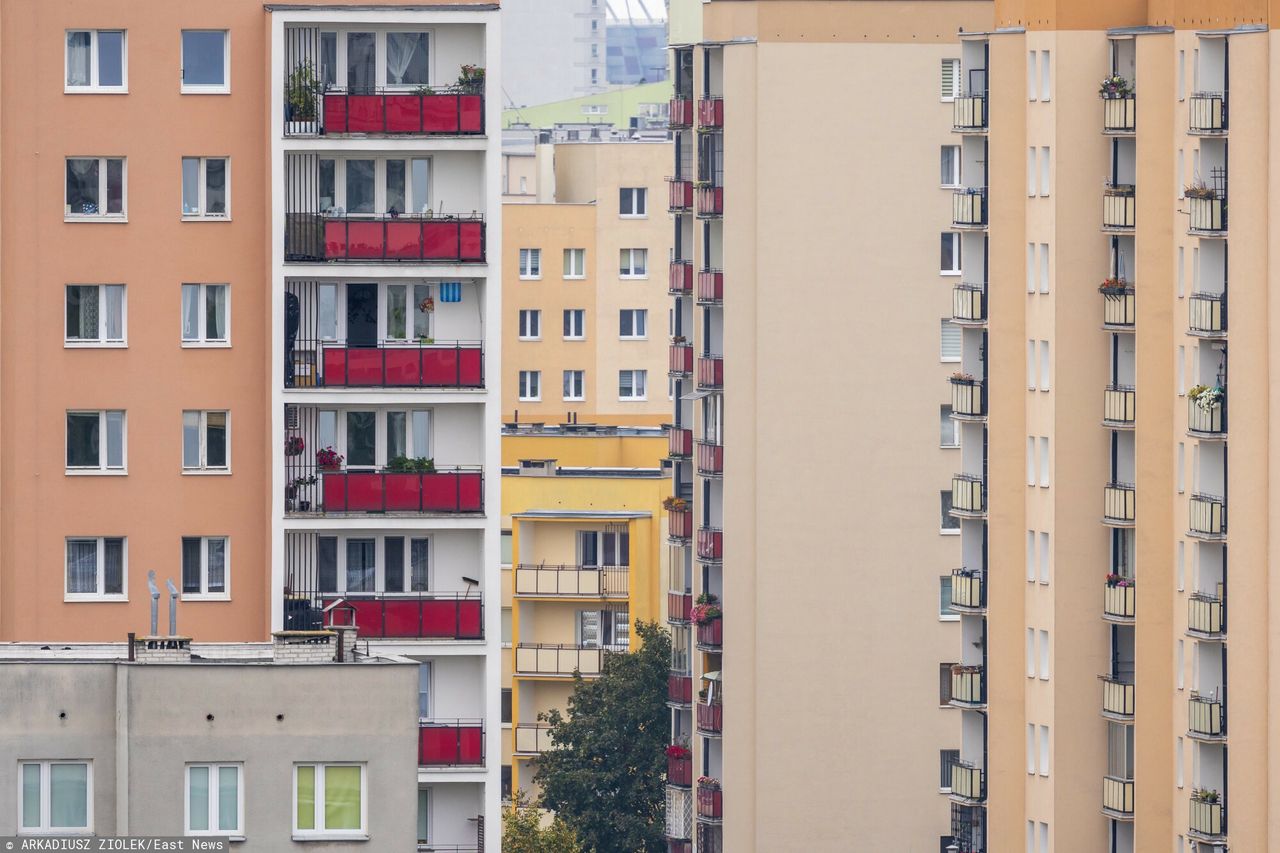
[[451, 743], [1119, 207], [1119, 406], [1207, 112], [1119, 113], [1206, 717], [1117, 797], [1208, 516], [571, 581], [1119, 504], [1117, 698], [1207, 314], [1119, 308]]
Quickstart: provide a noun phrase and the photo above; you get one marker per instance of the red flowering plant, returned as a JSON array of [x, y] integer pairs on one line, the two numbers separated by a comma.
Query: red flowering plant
[[710, 782], [294, 445], [1118, 580], [1114, 284], [678, 752], [329, 459], [706, 610]]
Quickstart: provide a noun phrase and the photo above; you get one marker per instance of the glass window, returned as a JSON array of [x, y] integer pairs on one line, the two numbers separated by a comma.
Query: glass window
[[407, 59], [950, 79], [362, 567], [205, 187], [424, 816], [95, 314], [361, 439], [329, 799], [633, 201], [949, 430], [96, 440], [205, 314], [575, 323], [950, 341], [950, 165], [395, 186], [215, 805], [530, 323], [632, 323], [397, 317], [204, 566], [205, 440], [95, 187], [360, 186], [944, 598], [205, 57], [530, 381], [575, 263], [361, 62], [57, 796], [633, 263], [631, 384], [949, 522], [95, 61], [950, 264], [95, 567], [574, 385], [531, 263], [397, 440]]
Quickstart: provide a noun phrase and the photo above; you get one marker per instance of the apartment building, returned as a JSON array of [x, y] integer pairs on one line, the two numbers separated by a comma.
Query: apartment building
[[556, 49], [1110, 200], [271, 354], [582, 298], [811, 545]]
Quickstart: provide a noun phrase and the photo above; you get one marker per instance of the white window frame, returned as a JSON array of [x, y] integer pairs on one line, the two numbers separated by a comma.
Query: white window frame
[[203, 426], [380, 55], [46, 799], [580, 316], [638, 195], [336, 834], [945, 615], [414, 206], [530, 264], [94, 87], [123, 215], [956, 254], [957, 73], [530, 324], [581, 381], [202, 317], [213, 768], [204, 594], [338, 419], [101, 341], [634, 398], [944, 417], [380, 562], [202, 190], [530, 381], [122, 595], [953, 180], [957, 333], [636, 314], [576, 260], [223, 88], [630, 269], [101, 469]]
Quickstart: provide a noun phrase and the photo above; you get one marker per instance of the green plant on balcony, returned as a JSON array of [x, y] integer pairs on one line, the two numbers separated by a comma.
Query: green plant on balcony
[[411, 465], [302, 93], [1205, 795], [1114, 285], [1205, 397], [1115, 86], [1200, 190], [675, 504], [706, 611], [471, 79], [961, 376]]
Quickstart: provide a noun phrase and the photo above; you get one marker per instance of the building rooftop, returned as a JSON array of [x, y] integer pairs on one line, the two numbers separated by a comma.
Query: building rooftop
[[611, 514]]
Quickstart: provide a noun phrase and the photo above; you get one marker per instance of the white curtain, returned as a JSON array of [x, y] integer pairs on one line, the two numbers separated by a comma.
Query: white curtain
[[404, 50], [82, 566], [191, 312], [114, 312], [78, 59]]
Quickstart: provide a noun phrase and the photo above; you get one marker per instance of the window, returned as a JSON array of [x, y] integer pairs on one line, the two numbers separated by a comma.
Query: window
[[1044, 730], [1178, 758], [945, 612], [424, 816], [206, 58], [1031, 653], [950, 254], [215, 800], [1031, 460], [407, 55], [1044, 267], [1031, 365], [424, 690], [96, 61], [204, 567], [1044, 557], [949, 523], [1032, 172], [574, 385], [206, 444], [96, 568], [633, 263], [1031, 748], [1045, 80], [205, 314], [1044, 837], [946, 758], [633, 323], [530, 385], [57, 797], [96, 441], [949, 430], [1044, 655], [1045, 171], [373, 564], [575, 263], [633, 201], [1045, 377], [530, 324], [95, 314], [950, 165], [391, 185], [206, 188], [1182, 75], [575, 320], [328, 800], [950, 79], [1032, 88], [950, 337], [631, 384], [95, 188], [1031, 268], [398, 60], [508, 548], [531, 263], [1044, 461]]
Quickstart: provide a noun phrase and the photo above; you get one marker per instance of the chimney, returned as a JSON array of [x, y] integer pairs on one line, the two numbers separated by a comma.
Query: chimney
[[304, 647], [162, 649]]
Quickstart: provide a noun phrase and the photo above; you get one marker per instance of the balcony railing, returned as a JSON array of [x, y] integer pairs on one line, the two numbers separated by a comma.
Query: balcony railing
[[448, 111], [710, 718], [679, 814], [710, 201], [968, 782], [561, 659], [710, 543], [1119, 114], [681, 278], [1207, 112], [1119, 406], [968, 398], [968, 496], [1117, 797], [1119, 504], [968, 686], [710, 802], [710, 371], [680, 524], [680, 360], [1208, 820], [452, 743], [968, 590], [968, 828], [1119, 206], [1117, 698], [679, 689], [969, 207], [1119, 308], [1206, 615], [679, 606], [710, 287], [969, 112], [710, 458], [1208, 516], [1206, 717], [1210, 421], [412, 364], [969, 304], [442, 491], [390, 615], [1208, 215], [571, 581], [711, 635], [533, 738], [681, 113], [1119, 600], [679, 195], [680, 771], [679, 442], [318, 238], [1207, 314], [711, 113]]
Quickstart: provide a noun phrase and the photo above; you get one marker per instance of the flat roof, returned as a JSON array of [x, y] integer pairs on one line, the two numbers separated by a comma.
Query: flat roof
[[582, 513], [370, 7]]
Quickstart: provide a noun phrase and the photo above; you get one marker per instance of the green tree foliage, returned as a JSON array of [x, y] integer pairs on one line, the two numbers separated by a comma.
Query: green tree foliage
[[606, 776], [523, 831]]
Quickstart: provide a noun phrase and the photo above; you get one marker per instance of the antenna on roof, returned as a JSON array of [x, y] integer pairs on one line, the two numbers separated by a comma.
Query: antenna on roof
[[173, 607], [155, 600]]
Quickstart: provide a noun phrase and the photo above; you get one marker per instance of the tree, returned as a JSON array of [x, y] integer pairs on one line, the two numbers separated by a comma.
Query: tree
[[605, 776], [523, 832]]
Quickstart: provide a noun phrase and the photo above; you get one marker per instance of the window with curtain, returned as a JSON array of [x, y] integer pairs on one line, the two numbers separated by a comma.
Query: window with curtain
[[204, 566], [393, 564], [55, 796], [214, 804], [95, 61], [95, 187], [95, 313], [204, 187], [359, 185], [362, 568], [205, 314], [407, 63], [328, 799], [419, 565], [205, 441], [361, 439], [361, 59]]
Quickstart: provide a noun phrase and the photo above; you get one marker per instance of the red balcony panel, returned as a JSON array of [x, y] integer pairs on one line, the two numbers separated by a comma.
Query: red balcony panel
[[365, 240], [470, 491], [412, 617], [364, 114], [451, 491], [679, 443], [711, 112], [711, 371], [403, 239], [400, 617], [371, 491], [471, 113], [403, 492], [335, 238], [449, 619], [679, 606], [333, 485], [440, 240], [680, 523], [370, 618], [710, 718], [471, 241], [710, 458], [335, 113], [680, 689], [710, 543], [439, 366], [681, 112], [680, 195], [680, 278], [440, 113], [711, 201], [680, 771], [364, 491], [404, 113], [364, 366], [711, 633], [403, 366], [334, 365], [470, 367], [451, 745], [681, 358], [710, 802], [710, 285]]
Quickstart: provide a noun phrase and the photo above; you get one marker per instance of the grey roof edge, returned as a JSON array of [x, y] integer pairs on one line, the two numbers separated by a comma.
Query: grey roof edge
[[1140, 31], [1243, 29], [583, 513], [369, 7], [998, 31]]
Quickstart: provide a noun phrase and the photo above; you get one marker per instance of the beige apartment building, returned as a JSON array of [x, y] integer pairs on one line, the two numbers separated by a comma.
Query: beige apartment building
[[586, 242]]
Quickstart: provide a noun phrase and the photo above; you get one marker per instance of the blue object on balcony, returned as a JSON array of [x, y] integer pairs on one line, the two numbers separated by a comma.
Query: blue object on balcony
[[450, 291]]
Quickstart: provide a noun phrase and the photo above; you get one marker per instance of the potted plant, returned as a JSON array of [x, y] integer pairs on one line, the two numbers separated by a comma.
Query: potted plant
[[1200, 189], [301, 93], [707, 609], [1205, 795], [961, 376], [426, 306], [422, 339], [679, 752], [411, 465], [329, 459], [675, 504], [1113, 285], [1206, 398], [709, 782], [1115, 580], [1115, 86], [679, 339], [471, 79], [294, 445]]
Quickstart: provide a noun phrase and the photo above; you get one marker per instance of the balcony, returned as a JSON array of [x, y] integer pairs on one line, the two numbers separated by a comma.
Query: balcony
[[1208, 819], [1119, 406], [1206, 718], [968, 828], [680, 689], [679, 769], [1119, 205], [387, 615], [679, 443], [968, 496], [1207, 212], [447, 111], [409, 364], [711, 635], [710, 201], [681, 278], [710, 718], [680, 360], [1119, 504], [1207, 315], [679, 195], [1119, 308], [439, 492], [533, 739], [1119, 599], [969, 114], [710, 801], [1117, 698], [710, 544], [710, 838], [1206, 616], [711, 113], [680, 524], [1119, 114], [543, 581], [1207, 113], [681, 113], [455, 743], [710, 459], [1208, 517], [969, 208], [1117, 797], [679, 607], [710, 287], [710, 372], [318, 238], [968, 398], [1207, 414], [968, 782], [679, 814], [969, 304], [968, 686], [557, 659], [968, 591]]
